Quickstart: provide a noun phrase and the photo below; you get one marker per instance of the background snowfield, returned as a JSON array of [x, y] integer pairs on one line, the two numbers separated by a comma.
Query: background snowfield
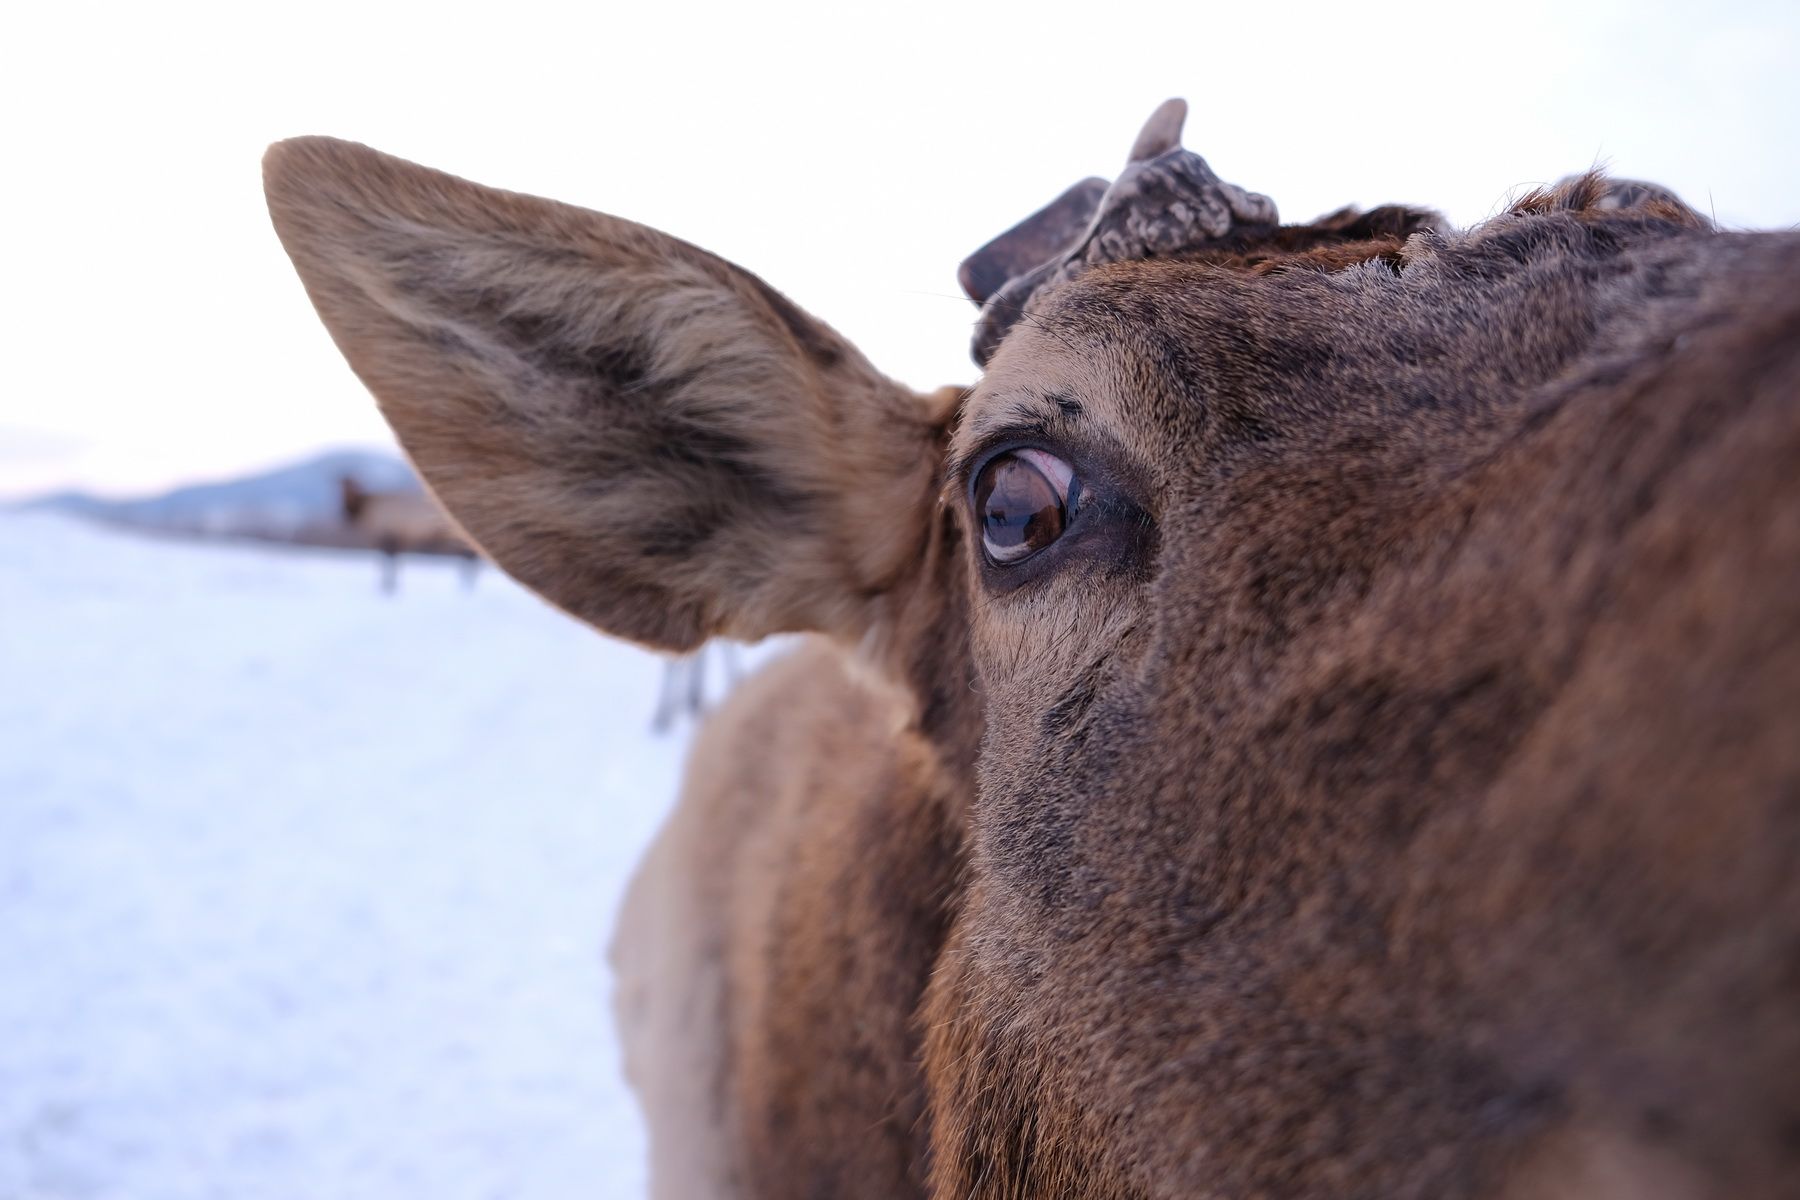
[[304, 891]]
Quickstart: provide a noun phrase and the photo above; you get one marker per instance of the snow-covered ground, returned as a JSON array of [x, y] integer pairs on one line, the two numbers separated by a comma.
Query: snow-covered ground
[[304, 890]]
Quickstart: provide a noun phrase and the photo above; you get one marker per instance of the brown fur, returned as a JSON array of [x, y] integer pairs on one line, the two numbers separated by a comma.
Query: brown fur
[[1391, 789], [810, 1103]]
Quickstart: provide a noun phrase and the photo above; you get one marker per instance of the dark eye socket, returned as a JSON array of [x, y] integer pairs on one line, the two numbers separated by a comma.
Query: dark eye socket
[[1024, 499]]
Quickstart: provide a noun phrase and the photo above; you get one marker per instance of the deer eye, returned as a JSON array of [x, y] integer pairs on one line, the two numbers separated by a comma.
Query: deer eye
[[1024, 499]]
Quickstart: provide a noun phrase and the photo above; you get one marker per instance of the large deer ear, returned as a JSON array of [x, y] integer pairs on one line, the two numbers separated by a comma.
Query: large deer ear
[[648, 436]]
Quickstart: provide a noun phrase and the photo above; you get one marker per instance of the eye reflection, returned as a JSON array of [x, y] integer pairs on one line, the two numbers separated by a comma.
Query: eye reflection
[[1024, 500]]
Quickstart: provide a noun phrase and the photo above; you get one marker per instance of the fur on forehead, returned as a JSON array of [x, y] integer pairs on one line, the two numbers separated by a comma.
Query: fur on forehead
[[1053, 374], [1594, 194], [1350, 236], [1337, 240]]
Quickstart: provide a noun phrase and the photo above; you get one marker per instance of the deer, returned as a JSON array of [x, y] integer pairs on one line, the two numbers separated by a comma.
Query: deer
[[400, 522], [404, 521], [684, 693], [1319, 717]]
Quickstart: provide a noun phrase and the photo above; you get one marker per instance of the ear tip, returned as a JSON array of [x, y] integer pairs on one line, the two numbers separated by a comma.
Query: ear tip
[[304, 163], [330, 183], [283, 159]]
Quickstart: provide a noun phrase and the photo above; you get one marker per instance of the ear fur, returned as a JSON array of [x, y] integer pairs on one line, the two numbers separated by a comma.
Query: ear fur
[[653, 439]]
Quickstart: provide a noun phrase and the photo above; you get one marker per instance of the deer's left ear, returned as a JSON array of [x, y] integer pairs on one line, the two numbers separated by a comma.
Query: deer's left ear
[[650, 437]]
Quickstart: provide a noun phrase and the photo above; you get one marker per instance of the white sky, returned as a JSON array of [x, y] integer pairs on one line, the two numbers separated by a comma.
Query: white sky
[[851, 154]]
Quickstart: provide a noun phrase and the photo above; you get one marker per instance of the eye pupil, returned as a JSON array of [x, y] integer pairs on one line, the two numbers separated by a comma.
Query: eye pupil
[[1022, 503]]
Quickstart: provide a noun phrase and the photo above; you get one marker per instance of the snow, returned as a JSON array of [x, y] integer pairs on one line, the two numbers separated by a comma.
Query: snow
[[304, 891]]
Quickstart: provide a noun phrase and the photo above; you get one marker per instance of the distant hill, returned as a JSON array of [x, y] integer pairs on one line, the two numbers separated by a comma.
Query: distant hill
[[276, 503]]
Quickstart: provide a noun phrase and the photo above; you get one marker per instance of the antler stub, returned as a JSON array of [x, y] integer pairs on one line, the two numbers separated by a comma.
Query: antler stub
[[1165, 201]]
